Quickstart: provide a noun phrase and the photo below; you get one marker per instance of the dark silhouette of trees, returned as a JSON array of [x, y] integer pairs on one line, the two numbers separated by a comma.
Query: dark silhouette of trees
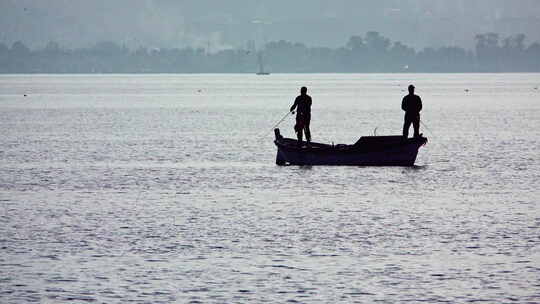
[[488, 51], [401, 57], [287, 55], [371, 53], [20, 49], [532, 55], [505, 55]]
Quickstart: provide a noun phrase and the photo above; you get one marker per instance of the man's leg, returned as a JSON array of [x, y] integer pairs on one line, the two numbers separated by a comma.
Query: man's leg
[[416, 126], [298, 128], [406, 126], [307, 131]]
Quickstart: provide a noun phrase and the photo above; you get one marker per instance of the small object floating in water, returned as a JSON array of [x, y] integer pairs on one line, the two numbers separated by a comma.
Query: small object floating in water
[[367, 151], [24, 95], [466, 90]]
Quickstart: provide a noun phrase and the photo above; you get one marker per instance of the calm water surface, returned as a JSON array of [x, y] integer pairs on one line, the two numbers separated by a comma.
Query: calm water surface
[[163, 188]]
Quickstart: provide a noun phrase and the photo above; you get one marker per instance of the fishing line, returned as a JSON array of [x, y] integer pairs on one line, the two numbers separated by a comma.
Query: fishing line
[[423, 124], [433, 134]]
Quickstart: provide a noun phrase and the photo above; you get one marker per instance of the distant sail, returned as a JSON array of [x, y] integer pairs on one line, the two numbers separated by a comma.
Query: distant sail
[[261, 65]]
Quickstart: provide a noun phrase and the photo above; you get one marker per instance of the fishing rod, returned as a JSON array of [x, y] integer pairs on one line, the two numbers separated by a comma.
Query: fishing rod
[[278, 123], [282, 119]]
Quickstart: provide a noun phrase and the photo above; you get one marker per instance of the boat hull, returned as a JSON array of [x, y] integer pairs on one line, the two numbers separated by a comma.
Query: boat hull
[[368, 151]]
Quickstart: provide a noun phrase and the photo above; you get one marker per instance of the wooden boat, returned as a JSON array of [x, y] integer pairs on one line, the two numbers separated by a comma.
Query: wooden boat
[[367, 151]]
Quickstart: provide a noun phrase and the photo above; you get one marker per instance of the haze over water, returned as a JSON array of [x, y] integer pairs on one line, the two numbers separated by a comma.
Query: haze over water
[[163, 188]]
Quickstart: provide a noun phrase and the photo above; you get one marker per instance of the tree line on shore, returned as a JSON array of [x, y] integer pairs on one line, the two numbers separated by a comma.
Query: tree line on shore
[[371, 53]]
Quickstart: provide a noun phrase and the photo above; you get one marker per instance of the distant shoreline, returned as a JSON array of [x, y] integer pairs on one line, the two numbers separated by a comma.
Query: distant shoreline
[[371, 53]]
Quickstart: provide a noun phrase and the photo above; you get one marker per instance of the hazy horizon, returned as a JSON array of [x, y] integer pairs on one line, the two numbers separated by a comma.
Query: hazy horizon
[[163, 23]]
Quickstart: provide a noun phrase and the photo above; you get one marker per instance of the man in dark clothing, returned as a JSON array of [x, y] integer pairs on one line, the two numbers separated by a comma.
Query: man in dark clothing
[[302, 103], [412, 105]]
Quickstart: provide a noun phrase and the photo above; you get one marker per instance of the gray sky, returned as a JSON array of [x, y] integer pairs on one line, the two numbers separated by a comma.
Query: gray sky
[[230, 23]]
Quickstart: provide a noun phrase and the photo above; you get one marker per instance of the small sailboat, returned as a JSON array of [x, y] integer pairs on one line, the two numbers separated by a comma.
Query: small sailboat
[[261, 65]]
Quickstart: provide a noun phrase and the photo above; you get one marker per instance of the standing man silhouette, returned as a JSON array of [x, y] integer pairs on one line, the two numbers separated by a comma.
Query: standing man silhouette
[[412, 105], [303, 115]]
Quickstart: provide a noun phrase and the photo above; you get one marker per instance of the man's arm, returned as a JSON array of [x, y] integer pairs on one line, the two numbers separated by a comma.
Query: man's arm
[[294, 105], [404, 104], [419, 104]]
